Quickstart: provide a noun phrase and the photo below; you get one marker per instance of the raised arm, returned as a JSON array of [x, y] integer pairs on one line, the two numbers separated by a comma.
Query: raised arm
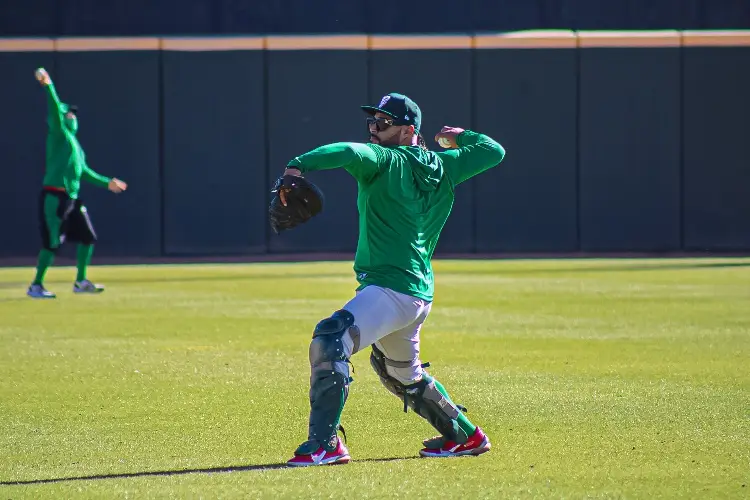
[[54, 106], [471, 154], [360, 160]]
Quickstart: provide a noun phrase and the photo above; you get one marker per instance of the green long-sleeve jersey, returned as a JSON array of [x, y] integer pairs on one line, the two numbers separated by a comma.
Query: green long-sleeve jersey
[[66, 161], [405, 195]]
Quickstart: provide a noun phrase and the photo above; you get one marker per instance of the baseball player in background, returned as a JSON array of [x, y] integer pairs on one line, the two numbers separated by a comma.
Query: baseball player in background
[[62, 215], [405, 195]]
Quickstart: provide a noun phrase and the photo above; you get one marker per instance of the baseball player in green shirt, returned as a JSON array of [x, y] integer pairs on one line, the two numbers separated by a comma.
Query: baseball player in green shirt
[[62, 215], [405, 195]]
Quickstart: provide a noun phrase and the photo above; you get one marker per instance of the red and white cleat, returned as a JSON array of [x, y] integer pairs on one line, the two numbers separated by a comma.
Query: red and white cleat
[[321, 456], [477, 444]]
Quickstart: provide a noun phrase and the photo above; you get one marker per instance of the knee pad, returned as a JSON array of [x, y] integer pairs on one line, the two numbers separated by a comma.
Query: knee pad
[[327, 344], [380, 363], [329, 374]]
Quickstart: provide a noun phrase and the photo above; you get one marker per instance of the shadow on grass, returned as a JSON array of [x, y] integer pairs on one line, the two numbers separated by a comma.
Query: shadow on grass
[[212, 470]]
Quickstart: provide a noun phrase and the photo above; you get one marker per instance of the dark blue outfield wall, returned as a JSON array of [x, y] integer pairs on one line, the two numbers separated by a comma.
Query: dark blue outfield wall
[[615, 141]]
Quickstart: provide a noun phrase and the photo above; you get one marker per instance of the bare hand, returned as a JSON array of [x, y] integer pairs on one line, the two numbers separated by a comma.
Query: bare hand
[[282, 189], [448, 136], [117, 186], [42, 76]]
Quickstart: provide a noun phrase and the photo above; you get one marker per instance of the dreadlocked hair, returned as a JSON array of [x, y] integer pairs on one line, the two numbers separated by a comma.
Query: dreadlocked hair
[[421, 142]]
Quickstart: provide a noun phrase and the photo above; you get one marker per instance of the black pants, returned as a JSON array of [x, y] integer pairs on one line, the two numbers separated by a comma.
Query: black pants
[[63, 219]]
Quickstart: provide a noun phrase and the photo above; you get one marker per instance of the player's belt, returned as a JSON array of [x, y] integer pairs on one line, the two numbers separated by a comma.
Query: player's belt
[[55, 189]]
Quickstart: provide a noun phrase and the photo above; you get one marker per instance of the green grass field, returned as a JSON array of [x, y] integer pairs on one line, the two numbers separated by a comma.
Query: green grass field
[[593, 378]]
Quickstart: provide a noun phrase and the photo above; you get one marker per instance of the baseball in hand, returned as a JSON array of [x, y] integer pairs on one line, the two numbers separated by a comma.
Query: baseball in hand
[[444, 142], [42, 76], [447, 137]]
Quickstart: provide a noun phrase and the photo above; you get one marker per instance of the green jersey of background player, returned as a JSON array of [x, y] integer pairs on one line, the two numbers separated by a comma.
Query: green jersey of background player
[[405, 195], [62, 215]]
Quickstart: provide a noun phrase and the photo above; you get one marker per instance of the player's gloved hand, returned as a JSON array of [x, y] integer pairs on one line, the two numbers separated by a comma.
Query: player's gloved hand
[[447, 137], [284, 189], [117, 186], [294, 201]]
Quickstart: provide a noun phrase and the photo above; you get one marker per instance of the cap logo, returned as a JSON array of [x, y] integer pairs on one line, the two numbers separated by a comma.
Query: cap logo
[[384, 100]]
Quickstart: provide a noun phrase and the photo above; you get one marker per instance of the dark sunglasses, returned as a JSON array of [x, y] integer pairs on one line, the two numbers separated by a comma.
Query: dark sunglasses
[[380, 123]]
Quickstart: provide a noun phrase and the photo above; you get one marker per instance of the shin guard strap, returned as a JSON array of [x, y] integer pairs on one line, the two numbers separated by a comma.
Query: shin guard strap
[[427, 401]]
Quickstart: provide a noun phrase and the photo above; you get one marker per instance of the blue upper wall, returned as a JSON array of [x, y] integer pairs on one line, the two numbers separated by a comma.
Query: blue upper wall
[[206, 17]]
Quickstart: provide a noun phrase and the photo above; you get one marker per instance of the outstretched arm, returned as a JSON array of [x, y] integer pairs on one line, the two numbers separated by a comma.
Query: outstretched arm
[[360, 160], [54, 106], [93, 177], [112, 183], [471, 154]]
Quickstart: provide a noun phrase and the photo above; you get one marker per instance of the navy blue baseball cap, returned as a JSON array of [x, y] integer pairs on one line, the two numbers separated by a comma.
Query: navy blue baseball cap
[[403, 110]]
